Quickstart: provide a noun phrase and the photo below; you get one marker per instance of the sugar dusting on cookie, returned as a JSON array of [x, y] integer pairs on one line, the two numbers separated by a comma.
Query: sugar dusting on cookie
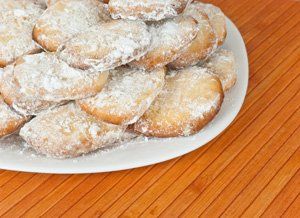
[[150, 10], [127, 95], [168, 38], [67, 18], [190, 99], [17, 21], [47, 78], [107, 46], [69, 132]]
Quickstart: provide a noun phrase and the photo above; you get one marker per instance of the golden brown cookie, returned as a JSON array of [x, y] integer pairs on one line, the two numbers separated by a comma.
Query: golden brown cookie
[[17, 20], [148, 10], [10, 121], [47, 78], [67, 131], [126, 96], [217, 20], [66, 18], [203, 45], [12, 95], [107, 45], [190, 99], [222, 63], [168, 38]]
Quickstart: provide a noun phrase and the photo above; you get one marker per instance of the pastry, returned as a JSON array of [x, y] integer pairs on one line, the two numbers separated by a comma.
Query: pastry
[[12, 95], [190, 99], [168, 38], [65, 19], [148, 10], [203, 45], [107, 45], [67, 131], [47, 78], [222, 63], [126, 96], [217, 20], [17, 20], [10, 121]]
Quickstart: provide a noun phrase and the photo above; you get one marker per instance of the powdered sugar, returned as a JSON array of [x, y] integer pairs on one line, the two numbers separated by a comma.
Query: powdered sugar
[[126, 96], [222, 63], [10, 121], [190, 98], [168, 38], [17, 21], [217, 20], [46, 77], [67, 18], [203, 45], [67, 132], [146, 9], [107, 45], [22, 103]]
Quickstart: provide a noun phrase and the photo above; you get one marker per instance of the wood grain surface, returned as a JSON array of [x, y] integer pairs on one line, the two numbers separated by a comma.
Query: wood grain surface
[[250, 170]]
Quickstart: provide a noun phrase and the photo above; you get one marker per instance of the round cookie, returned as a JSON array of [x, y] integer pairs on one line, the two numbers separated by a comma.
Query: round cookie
[[217, 20], [168, 38], [12, 95], [47, 78], [190, 99], [66, 18], [148, 10], [203, 45], [17, 20], [107, 45], [10, 121], [67, 131], [126, 96], [222, 63]]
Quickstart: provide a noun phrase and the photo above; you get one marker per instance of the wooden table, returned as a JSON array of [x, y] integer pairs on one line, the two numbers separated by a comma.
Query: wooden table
[[250, 169]]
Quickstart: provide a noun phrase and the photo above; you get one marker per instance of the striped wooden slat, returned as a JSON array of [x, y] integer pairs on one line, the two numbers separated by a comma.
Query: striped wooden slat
[[252, 169]]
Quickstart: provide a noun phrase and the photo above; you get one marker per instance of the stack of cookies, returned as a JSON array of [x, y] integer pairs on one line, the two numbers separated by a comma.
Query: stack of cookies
[[78, 75]]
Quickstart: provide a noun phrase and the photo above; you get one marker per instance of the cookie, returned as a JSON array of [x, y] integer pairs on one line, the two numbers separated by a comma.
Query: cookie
[[217, 20], [107, 45], [148, 10], [190, 99], [47, 78], [126, 96], [168, 38], [10, 121], [17, 20], [66, 18], [67, 131], [203, 45], [12, 95], [222, 63]]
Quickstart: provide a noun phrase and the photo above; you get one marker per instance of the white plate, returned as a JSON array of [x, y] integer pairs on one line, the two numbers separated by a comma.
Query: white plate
[[137, 154]]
